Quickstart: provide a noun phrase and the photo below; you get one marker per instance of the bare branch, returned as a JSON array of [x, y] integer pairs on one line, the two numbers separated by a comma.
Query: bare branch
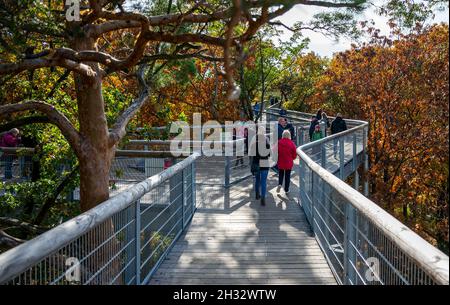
[[119, 128], [23, 122], [56, 117]]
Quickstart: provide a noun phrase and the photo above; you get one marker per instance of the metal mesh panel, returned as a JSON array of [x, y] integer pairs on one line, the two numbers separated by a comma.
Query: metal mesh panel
[[128, 246], [358, 251]]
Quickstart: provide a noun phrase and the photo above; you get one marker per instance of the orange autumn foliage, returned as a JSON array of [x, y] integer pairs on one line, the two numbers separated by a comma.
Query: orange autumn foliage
[[401, 88]]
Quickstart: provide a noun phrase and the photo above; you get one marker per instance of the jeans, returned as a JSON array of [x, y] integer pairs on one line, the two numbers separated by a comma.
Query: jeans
[[335, 146], [261, 181], [284, 174]]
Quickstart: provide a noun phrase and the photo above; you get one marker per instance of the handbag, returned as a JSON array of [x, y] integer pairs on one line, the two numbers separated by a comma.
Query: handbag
[[254, 167]]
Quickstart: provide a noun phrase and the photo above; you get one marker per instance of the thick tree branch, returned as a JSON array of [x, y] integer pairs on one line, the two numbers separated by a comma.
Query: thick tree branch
[[23, 122], [25, 226], [56, 117], [51, 200], [36, 63], [119, 128], [7, 241]]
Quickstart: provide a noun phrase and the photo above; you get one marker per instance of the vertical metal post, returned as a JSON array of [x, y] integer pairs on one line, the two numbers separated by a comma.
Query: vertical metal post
[[356, 180], [193, 195], [183, 197], [366, 163], [227, 172], [301, 184], [323, 155], [138, 241], [349, 251], [341, 157], [313, 197], [355, 163], [302, 136]]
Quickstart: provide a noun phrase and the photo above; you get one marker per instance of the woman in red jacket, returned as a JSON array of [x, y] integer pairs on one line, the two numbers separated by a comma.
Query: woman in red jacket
[[286, 156]]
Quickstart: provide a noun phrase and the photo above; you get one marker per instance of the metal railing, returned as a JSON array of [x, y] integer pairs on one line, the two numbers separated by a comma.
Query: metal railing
[[16, 164], [362, 243], [234, 165], [121, 241]]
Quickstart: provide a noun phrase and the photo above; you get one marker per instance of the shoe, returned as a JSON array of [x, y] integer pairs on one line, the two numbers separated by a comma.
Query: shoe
[[263, 201], [278, 188], [286, 192], [258, 196]]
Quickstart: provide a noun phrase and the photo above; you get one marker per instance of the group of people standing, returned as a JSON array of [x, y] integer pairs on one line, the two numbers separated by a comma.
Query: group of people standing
[[320, 123], [286, 150]]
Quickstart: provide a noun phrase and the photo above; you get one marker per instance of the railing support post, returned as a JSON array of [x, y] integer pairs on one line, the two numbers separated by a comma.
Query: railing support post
[[193, 194], [366, 163], [323, 155], [355, 163], [183, 197], [349, 251], [227, 171], [313, 198], [138, 241], [341, 142]]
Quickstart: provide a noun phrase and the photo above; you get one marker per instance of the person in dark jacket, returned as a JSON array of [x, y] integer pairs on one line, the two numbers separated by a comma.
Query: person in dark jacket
[[284, 125], [260, 163], [338, 125], [319, 114], [312, 127], [286, 156]]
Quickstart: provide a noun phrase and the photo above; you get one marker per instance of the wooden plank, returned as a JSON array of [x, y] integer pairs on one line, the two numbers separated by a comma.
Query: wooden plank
[[232, 239]]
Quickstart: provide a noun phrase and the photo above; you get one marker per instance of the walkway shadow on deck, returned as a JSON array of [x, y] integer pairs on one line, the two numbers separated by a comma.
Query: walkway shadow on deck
[[242, 242]]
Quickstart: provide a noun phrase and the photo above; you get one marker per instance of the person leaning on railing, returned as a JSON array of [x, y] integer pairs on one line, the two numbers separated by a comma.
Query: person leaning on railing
[[9, 139]]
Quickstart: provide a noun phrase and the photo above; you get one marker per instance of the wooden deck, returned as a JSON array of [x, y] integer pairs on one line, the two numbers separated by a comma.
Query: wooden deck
[[232, 239]]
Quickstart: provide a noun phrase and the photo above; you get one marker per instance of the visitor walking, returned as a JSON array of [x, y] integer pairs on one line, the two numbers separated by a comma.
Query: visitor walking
[[338, 125], [260, 152], [286, 156], [239, 134], [312, 126], [283, 125]]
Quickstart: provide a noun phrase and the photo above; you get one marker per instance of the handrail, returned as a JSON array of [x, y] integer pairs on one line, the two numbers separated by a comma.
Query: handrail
[[22, 257], [433, 261]]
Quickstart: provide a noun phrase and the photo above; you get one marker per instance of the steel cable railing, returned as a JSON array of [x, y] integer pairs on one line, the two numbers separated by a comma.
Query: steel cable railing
[[121, 241], [362, 243]]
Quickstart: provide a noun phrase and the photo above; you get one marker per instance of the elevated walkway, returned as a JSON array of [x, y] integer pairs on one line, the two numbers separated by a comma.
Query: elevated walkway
[[196, 222], [232, 239]]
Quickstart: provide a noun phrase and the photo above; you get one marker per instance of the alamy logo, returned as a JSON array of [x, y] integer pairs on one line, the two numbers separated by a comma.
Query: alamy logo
[[73, 10], [73, 273], [373, 270]]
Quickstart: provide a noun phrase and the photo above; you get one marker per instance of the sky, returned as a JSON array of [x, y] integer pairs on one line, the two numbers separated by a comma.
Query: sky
[[325, 46]]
